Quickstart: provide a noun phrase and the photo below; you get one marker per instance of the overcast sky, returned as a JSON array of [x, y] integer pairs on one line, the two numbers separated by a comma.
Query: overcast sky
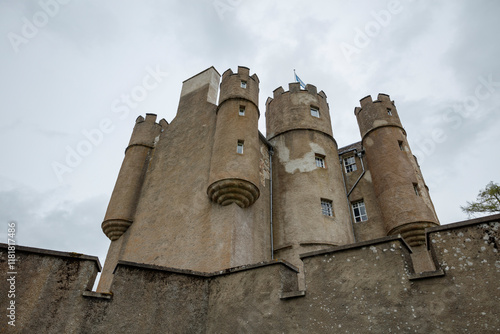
[[67, 68]]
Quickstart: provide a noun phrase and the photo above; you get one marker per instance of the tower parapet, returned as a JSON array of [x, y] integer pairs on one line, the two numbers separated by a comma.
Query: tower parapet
[[377, 114], [399, 186], [296, 111], [121, 208], [239, 85], [234, 168]]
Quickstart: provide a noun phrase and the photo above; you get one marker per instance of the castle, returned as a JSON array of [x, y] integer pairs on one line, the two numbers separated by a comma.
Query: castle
[[216, 228]]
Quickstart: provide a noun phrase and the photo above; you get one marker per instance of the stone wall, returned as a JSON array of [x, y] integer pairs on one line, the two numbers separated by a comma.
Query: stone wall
[[359, 288]]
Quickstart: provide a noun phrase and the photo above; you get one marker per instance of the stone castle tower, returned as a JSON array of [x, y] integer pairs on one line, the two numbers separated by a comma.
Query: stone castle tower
[[209, 192]]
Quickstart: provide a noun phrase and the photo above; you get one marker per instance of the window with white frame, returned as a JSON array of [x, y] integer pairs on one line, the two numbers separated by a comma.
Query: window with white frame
[[359, 211], [315, 112], [242, 111], [320, 161], [243, 84], [350, 164], [326, 207], [239, 147]]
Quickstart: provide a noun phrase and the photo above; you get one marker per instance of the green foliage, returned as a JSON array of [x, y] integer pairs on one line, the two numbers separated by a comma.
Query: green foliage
[[488, 201]]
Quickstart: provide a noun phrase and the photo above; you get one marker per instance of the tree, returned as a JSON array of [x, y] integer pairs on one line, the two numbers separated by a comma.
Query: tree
[[488, 201]]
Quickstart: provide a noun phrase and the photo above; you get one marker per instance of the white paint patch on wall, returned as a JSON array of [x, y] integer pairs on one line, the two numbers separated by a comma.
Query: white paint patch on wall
[[304, 164]]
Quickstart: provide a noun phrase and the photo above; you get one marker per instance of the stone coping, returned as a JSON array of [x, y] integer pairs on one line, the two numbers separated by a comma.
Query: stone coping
[[357, 245], [429, 230], [206, 274], [49, 252], [463, 223], [481, 220]]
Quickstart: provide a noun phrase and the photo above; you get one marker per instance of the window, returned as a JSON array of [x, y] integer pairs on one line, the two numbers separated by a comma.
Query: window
[[359, 210], [320, 161], [326, 207], [315, 112], [350, 164], [242, 111], [243, 84], [415, 188], [389, 112], [401, 147], [239, 148]]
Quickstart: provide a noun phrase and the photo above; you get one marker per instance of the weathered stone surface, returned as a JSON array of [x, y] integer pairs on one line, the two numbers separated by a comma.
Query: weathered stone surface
[[359, 288]]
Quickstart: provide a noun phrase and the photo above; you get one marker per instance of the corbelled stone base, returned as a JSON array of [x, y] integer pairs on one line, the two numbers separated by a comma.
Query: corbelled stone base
[[114, 228], [413, 233], [241, 192]]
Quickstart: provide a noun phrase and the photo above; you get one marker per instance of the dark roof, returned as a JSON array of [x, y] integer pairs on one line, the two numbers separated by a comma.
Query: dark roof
[[356, 146]]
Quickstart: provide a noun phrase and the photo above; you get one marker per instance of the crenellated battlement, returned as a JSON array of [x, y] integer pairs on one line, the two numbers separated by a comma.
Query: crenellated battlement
[[294, 87], [367, 101], [151, 118], [239, 85], [146, 130], [292, 109], [243, 72], [375, 114]]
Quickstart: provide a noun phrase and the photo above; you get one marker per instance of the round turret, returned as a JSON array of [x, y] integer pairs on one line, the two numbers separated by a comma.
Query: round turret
[[121, 208], [398, 183], [234, 168], [310, 209]]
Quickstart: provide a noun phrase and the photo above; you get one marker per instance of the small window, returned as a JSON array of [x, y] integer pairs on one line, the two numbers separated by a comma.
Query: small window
[[359, 210], [350, 164], [315, 112], [401, 146], [326, 207], [239, 148], [320, 161], [389, 112], [242, 111], [415, 188], [243, 84]]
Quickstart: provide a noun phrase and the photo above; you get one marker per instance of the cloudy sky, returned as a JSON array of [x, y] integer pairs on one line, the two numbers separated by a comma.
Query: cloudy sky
[[73, 79]]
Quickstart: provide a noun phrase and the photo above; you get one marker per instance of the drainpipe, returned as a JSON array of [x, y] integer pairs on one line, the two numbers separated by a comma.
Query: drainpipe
[[347, 198], [360, 156], [271, 152]]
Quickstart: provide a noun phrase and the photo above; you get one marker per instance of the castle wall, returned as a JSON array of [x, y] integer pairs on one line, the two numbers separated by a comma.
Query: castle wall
[[360, 288], [48, 290]]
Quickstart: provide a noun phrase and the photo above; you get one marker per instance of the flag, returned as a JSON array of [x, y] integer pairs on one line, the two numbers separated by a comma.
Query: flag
[[297, 79]]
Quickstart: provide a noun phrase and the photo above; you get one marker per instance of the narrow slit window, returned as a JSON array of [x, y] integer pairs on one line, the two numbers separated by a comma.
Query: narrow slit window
[[359, 211], [242, 111], [243, 84], [389, 112], [239, 147], [320, 161], [350, 164], [315, 112], [401, 146], [326, 207], [415, 188]]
